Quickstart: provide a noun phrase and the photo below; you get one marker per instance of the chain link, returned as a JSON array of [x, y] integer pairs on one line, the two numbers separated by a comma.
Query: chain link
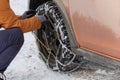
[[61, 45]]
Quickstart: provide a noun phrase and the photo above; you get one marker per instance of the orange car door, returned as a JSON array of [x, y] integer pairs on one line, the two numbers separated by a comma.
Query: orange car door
[[96, 24]]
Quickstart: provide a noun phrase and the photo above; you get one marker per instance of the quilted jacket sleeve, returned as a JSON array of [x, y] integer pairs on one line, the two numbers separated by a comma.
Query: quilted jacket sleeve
[[8, 19]]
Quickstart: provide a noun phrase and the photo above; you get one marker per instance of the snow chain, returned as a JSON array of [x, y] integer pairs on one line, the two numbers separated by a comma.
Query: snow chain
[[61, 36]]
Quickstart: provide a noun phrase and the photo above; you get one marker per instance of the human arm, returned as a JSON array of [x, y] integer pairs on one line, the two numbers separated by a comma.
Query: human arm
[[8, 19]]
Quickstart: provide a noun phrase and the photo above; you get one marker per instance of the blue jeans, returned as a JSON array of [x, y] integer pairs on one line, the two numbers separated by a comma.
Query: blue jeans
[[11, 41]]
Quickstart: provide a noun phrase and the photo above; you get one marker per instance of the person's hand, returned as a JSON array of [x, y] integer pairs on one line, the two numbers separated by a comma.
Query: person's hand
[[28, 14], [44, 20]]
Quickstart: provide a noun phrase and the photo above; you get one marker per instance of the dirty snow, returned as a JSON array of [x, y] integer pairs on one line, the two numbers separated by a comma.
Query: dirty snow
[[29, 66]]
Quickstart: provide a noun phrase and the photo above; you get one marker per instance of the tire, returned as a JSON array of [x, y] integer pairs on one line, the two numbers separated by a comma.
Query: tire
[[35, 3], [53, 40]]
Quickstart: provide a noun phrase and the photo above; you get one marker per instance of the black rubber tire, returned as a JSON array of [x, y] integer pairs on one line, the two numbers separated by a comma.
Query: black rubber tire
[[54, 35]]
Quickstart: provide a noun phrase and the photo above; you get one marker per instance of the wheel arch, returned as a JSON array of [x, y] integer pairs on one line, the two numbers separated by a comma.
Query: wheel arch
[[64, 9], [91, 56]]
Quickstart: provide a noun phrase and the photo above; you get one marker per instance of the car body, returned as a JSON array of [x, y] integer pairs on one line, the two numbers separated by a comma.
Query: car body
[[93, 29]]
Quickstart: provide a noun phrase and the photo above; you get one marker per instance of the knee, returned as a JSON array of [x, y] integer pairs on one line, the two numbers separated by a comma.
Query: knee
[[17, 35]]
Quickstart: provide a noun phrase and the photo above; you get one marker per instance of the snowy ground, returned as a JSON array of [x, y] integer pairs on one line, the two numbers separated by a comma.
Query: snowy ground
[[29, 66]]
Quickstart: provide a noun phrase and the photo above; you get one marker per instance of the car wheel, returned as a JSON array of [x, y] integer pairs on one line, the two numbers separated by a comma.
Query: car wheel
[[53, 40]]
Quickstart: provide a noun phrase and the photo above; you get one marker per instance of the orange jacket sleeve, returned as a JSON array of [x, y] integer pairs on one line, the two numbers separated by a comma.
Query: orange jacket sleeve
[[8, 19]]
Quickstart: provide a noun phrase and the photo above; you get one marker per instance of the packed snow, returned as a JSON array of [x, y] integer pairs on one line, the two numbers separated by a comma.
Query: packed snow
[[28, 65]]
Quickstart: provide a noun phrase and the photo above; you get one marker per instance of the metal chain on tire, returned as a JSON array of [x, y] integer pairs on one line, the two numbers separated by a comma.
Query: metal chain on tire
[[62, 35]]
